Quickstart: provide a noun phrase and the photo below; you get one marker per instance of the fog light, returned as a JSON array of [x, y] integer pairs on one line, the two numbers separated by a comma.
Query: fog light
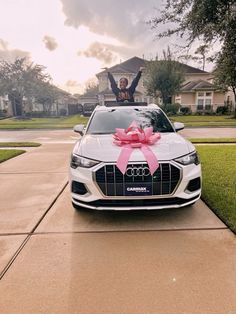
[[78, 188], [194, 185]]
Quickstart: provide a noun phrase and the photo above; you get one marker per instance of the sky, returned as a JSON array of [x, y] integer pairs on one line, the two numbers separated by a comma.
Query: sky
[[75, 39]]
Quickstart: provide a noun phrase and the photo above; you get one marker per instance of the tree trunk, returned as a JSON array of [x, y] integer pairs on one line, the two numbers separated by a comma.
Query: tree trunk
[[234, 91], [19, 106], [17, 103], [203, 62]]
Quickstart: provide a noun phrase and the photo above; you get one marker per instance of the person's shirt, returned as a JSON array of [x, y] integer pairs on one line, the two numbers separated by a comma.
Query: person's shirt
[[126, 94]]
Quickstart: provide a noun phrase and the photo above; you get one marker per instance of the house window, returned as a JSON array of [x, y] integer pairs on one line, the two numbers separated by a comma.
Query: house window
[[204, 101], [207, 104], [200, 94], [200, 104]]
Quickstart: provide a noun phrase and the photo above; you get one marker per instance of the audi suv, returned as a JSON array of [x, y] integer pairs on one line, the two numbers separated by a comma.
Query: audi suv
[[97, 183]]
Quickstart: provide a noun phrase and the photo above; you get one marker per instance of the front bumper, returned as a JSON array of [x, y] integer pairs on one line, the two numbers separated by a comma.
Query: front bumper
[[95, 199]]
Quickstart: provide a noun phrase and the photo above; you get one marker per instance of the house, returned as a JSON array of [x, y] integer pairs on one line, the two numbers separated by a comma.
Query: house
[[200, 95], [128, 69], [64, 105], [4, 104], [197, 92], [89, 100]]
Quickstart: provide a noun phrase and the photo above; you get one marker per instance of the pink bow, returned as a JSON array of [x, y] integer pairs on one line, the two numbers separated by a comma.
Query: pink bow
[[135, 137]]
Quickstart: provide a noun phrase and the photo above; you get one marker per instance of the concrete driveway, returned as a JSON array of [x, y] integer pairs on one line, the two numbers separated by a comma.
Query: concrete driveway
[[54, 259]]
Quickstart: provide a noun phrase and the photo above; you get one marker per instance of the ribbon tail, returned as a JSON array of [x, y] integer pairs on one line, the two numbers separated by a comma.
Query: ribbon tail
[[151, 158], [123, 158]]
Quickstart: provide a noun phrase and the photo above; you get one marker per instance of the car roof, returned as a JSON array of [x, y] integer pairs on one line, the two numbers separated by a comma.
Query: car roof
[[123, 107]]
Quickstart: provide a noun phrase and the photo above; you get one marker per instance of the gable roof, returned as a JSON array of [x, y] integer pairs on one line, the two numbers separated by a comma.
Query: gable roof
[[188, 69], [197, 85], [132, 65]]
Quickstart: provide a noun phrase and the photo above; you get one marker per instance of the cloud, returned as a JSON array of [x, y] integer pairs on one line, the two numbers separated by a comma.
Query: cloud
[[100, 51], [50, 42], [72, 83], [10, 55], [124, 20]]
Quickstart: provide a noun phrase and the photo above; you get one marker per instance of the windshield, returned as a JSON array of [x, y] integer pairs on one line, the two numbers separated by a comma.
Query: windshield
[[105, 122]]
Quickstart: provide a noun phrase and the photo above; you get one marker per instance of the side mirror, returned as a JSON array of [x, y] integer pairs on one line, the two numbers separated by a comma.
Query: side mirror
[[178, 126], [79, 128]]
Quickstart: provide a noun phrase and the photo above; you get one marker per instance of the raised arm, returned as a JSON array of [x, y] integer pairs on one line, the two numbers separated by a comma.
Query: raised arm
[[135, 81], [114, 87]]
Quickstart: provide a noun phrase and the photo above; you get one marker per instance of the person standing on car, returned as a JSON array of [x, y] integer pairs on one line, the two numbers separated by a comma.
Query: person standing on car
[[122, 93]]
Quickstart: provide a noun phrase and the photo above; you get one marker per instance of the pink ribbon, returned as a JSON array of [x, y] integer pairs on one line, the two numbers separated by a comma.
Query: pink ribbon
[[135, 137]]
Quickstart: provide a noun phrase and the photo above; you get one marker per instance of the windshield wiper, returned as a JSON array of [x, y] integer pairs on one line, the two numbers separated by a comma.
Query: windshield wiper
[[165, 131]]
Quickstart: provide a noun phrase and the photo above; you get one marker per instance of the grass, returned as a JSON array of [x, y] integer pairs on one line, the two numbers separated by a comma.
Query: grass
[[213, 140], [6, 154], [43, 123], [206, 120], [70, 121], [219, 181], [19, 144]]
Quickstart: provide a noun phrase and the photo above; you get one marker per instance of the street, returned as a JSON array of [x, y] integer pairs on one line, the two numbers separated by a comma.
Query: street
[[54, 259]]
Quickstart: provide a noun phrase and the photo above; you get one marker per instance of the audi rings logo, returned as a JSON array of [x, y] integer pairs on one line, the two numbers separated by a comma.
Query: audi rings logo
[[138, 172]]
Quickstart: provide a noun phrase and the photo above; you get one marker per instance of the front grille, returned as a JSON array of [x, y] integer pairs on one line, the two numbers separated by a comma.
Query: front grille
[[163, 182]]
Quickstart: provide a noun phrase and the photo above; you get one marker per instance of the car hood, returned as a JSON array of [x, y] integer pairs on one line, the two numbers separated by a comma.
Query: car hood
[[101, 147]]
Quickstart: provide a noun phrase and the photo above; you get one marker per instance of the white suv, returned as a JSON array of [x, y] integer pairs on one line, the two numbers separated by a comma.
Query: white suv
[[97, 183]]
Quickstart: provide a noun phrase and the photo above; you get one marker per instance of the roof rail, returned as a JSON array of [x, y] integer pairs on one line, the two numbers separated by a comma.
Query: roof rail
[[120, 104]]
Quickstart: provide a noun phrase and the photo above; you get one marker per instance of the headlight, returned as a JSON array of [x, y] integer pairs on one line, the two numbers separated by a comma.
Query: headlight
[[189, 159], [78, 161]]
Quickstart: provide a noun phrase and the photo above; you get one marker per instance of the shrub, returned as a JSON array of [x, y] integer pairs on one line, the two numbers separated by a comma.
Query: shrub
[[3, 113], [62, 112], [185, 110], [38, 114], [222, 110], [171, 109], [209, 113]]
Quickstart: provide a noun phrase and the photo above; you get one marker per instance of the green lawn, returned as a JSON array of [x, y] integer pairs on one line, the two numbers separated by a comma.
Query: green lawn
[[19, 144], [213, 140], [6, 154], [206, 120], [43, 123], [219, 180], [69, 122]]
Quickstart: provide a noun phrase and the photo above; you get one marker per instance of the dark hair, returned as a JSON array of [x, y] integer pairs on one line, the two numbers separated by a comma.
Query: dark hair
[[124, 78]]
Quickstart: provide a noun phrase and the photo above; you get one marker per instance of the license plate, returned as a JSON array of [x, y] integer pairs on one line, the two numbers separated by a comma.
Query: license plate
[[138, 189]]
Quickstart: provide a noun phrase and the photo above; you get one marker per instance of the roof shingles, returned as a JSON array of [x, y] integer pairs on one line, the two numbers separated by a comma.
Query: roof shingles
[[197, 85], [132, 65]]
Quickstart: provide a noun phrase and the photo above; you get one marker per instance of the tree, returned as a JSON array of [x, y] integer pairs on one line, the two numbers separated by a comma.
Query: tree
[[164, 78], [205, 19], [19, 80], [46, 94], [202, 51], [200, 56], [91, 87], [225, 72]]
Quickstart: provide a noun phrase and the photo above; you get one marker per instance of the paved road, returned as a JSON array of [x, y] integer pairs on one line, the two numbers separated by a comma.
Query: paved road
[[56, 260], [68, 136]]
